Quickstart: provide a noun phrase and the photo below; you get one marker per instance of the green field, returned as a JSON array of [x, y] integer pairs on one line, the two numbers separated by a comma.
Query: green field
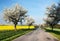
[[55, 32], [11, 34]]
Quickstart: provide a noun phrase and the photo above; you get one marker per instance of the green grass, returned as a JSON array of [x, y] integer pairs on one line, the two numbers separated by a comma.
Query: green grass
[[11, 34], [55, 32]]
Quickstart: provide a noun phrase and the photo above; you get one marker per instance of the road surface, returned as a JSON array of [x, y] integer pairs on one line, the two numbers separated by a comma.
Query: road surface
[[36, 35]]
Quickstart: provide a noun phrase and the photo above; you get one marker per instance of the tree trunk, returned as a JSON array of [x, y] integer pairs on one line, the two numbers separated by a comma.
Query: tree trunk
[[15, 27], [21, 22], [29, 27], [52, 28]]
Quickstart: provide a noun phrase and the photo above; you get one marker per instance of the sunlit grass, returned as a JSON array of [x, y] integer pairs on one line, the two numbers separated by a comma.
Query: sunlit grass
[[55, 32], [9, 27]]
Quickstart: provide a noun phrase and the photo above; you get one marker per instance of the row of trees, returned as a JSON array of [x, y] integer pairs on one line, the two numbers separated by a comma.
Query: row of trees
[[16, 14], [53, 15]]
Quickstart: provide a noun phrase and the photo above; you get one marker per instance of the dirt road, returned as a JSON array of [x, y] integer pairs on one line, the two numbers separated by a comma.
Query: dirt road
[[36, 35]]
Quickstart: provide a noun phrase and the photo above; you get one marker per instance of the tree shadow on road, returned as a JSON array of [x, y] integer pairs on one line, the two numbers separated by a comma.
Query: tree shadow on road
[[54, 31]]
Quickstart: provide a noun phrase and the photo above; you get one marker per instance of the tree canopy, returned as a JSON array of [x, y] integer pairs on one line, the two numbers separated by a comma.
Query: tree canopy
[[29, 20], [53, 15]]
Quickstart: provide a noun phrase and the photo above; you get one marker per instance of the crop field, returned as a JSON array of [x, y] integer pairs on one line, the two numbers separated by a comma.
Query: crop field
[[9, 27], [7, 33]]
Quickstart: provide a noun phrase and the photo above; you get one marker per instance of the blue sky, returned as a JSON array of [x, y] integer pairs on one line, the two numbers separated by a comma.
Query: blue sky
[[36, 8]]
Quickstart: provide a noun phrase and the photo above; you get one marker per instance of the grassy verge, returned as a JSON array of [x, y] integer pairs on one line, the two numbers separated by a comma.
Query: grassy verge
[[55, 32], [11, 34]]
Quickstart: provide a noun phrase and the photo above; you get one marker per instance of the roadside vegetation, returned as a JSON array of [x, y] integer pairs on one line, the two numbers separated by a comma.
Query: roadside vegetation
[[55, 32], [8, 35]]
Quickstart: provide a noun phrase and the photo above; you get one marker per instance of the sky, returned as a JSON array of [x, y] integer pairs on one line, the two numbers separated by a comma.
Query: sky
[[36, 8]]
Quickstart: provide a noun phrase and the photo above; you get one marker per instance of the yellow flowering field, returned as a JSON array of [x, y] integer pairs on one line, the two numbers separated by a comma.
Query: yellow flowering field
[[9, 27]]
